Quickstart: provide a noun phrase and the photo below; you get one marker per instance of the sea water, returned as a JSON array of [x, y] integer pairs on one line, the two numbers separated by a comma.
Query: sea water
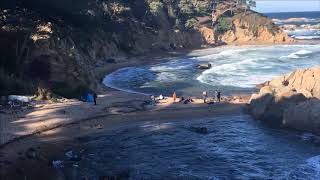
[[300, 19], [235, 70], [236, 147]]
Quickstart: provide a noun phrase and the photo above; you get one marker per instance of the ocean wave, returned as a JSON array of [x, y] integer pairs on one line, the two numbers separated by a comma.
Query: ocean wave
[[124, 76], [231, 52], [234, 74], [297, 55], [232, 68], [306, 37], [296, 20]]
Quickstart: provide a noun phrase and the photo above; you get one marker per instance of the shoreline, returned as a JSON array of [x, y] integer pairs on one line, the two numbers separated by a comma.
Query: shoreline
[[159, 57], [59, 125], [51, 144]]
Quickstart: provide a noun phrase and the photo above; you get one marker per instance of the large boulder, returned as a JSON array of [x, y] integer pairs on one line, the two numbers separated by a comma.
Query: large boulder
[[269, 107], [303, 116], [291, 100]]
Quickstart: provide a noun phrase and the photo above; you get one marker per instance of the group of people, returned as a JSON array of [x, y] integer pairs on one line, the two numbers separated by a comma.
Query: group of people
[[205, 96], [188, 100]]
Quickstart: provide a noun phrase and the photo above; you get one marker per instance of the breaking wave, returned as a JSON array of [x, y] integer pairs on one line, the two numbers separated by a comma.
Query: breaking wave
[[297, 55], [234, 70]]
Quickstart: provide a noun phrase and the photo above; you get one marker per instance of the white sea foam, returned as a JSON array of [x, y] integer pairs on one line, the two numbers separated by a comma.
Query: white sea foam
[[241, 67], [112, 80], [307, 37], [295, 20], [296, 55]]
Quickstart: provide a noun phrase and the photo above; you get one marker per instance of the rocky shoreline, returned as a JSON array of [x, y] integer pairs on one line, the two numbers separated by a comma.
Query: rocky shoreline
[[292, 100]]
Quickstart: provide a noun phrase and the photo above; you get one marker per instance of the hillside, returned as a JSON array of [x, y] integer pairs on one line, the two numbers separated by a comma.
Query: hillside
[[58, 44]]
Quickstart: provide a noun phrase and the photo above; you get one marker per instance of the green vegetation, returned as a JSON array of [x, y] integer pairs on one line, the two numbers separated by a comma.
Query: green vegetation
[[192, 24], [223, 25], [156, 7]]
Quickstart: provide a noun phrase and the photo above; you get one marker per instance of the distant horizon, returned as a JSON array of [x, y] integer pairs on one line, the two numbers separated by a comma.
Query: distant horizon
[[292, 12], [279, 6]]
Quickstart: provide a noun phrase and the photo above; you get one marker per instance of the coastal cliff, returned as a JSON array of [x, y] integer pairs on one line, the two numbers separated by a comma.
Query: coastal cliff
[[60, 45], [292, 100], [248, 27]]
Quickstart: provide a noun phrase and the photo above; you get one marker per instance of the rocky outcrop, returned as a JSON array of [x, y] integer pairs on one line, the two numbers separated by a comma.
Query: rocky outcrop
[[292, 100], [204, 66], [253, 27]]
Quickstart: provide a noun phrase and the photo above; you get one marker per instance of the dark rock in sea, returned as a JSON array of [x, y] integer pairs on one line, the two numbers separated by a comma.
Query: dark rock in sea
[[111, 60], [200, 130], [204, 66], [31, 153], [122, 175], [73, 155]]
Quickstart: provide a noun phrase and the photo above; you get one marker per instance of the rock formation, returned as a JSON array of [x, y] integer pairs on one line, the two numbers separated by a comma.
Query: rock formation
[[253, 27], [292, 100]]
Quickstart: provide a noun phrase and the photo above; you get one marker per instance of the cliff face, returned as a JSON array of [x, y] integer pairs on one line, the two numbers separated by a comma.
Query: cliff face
[[292, 100], [253, 27]]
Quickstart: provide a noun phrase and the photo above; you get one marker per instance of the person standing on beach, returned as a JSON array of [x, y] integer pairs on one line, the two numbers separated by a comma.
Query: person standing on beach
[[95, 96], [219, 96], [174, 96], [204, 96], [215, 94]]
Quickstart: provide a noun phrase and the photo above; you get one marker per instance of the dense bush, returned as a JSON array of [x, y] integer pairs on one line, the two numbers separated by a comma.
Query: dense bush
[[191, 24], [223, 25], [156, 7]]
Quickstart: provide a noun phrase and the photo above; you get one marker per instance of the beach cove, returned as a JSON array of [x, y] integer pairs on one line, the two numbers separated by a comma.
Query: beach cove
[[75, 124]]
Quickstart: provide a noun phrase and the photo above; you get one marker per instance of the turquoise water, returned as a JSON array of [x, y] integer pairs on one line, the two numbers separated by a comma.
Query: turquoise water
[[235, 70]]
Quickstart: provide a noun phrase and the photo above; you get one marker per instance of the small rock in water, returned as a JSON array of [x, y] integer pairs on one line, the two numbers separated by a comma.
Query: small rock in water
[[200, 130], [57, 164], [99, 126], [111, 60], [31, 153], [73, 155], [204, 66]]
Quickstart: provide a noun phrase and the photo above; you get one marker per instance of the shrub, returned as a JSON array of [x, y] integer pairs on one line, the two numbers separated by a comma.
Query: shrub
[[186, 7], [155, 7], [223, 25], [203, 8], [191, 24]]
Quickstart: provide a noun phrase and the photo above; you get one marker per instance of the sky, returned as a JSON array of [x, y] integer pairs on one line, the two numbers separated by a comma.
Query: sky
[[287, 5]]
